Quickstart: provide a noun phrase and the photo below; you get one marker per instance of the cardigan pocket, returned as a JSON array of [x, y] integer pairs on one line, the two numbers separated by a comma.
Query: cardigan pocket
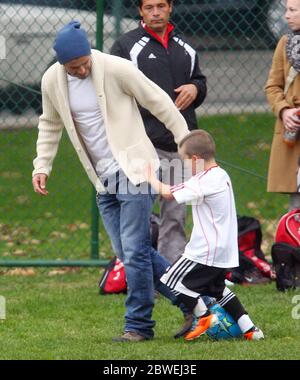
[[136, 157]]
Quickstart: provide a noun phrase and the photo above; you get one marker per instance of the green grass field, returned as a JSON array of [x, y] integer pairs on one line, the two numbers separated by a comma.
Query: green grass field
[[64, 317], [60, 315]]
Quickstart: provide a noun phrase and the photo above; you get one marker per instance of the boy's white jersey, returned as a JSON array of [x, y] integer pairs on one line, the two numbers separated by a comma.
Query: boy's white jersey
[[214, 240]]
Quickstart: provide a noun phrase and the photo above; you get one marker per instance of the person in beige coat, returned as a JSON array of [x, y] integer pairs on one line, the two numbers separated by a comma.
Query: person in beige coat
[[283, 93], [94, 97]]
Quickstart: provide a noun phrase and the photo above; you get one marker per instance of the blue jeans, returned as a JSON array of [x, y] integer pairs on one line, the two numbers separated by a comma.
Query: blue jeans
[[126, 218]]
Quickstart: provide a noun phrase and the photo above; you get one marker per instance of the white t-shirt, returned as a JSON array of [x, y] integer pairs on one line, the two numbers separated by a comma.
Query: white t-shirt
[[214, 240], [89, 122]]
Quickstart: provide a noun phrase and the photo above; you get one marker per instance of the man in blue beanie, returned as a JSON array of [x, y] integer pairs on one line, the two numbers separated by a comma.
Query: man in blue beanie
[[71, 42], [94, 96]]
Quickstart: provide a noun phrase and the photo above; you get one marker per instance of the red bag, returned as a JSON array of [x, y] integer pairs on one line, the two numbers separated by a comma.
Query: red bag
[[253, 268], [113, 279], [286, 251], [288, 230]]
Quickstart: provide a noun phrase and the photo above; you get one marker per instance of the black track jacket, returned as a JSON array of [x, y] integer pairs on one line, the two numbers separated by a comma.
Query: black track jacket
[[168, 68]]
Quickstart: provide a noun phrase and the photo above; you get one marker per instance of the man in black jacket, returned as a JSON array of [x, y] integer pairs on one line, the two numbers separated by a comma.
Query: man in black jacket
[[169, 61]]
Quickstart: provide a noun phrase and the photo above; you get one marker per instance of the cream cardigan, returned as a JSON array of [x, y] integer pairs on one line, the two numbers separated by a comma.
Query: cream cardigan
[[118, 83]]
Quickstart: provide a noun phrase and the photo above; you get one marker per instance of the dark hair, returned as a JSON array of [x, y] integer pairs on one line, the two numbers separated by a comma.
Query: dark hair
[[141, 2], [200, 143]]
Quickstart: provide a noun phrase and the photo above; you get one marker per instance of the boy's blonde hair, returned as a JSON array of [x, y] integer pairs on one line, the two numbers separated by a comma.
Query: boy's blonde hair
[[199, 143]]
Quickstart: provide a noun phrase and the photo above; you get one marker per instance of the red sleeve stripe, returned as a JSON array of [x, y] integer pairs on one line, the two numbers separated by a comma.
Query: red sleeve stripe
[[176, 187], [201, 174]]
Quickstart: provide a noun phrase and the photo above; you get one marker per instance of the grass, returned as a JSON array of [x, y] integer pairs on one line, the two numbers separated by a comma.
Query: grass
[[58, 226], [64, 317], [53, 227]]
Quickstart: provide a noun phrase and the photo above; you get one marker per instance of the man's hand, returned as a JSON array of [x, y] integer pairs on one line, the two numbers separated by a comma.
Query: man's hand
[[39, 183], [187, 94]]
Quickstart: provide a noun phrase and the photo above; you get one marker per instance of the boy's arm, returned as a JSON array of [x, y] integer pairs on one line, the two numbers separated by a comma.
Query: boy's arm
[[161, 188], [187, 192]]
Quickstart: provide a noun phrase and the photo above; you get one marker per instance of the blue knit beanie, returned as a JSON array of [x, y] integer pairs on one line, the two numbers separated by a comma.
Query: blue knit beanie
[[71, 42]]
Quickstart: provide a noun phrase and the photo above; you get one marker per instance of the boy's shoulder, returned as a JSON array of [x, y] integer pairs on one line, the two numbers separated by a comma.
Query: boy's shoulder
[[213, 172], [213, 179]]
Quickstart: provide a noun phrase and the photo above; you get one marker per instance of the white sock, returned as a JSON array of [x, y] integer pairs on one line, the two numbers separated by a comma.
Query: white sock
[[200, 309], [245, 323]]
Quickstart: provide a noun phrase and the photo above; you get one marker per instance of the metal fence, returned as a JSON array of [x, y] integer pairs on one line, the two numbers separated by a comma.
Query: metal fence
[[235, 42]]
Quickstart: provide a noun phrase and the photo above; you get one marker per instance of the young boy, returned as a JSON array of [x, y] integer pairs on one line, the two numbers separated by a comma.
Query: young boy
[[213, 247]]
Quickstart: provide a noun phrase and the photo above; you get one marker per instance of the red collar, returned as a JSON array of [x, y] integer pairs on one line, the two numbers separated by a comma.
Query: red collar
[[165, 40]]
